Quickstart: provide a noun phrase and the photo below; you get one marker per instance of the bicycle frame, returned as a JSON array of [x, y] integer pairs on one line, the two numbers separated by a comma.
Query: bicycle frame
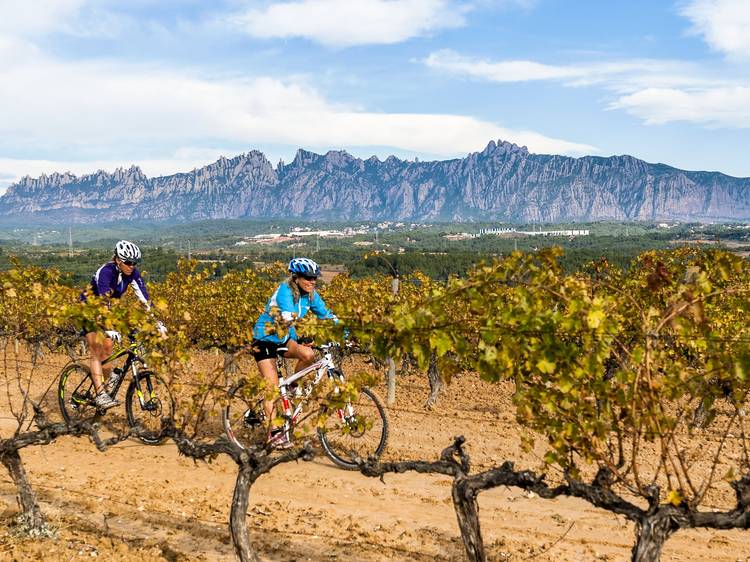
[[323, 366], [343, 436], [131, 364]]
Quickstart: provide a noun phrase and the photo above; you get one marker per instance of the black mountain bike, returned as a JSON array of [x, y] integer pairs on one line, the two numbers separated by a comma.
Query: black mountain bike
[[147, 398]]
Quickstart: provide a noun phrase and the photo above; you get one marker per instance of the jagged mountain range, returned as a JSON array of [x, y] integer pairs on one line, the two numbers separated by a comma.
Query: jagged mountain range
[[504, 182]]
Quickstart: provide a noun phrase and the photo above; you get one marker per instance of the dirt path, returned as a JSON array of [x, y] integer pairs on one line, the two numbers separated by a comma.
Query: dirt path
[[147, 503]]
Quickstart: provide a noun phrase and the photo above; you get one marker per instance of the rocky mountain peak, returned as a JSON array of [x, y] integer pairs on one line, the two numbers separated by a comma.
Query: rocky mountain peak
[[132, 174], [339, 158], [489, 149], [505, 147], [500, 149], [304, 158], [503, 182]]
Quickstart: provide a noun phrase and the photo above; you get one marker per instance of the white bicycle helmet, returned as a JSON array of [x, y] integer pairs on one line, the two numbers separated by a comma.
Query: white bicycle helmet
[[127, 251], [304, 266]]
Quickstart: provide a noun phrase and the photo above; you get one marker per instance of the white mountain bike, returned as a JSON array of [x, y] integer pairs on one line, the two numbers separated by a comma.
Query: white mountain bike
[[348, 427]]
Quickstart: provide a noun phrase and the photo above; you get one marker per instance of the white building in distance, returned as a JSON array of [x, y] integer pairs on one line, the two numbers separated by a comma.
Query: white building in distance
[[513, 231]]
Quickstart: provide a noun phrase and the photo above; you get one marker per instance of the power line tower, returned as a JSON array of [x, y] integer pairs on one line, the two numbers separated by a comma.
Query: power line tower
[[70, 242]]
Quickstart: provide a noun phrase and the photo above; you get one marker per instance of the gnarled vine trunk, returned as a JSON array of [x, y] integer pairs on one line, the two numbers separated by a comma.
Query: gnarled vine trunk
[[238, 515], [651, 535], [34, 520], [433, 376], [467, 512]]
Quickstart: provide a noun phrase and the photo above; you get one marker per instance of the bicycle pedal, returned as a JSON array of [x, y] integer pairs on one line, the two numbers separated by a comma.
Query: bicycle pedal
[[79, 399]]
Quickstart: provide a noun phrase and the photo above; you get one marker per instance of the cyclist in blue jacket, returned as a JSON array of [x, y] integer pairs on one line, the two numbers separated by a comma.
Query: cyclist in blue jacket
[[293, 299], [112, 280]]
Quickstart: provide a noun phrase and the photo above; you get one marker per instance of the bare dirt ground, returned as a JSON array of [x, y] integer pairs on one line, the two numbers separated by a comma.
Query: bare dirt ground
[[138, 502]]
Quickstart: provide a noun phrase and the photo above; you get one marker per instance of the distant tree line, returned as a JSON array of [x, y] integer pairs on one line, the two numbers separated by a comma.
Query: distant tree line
[[402, 251]]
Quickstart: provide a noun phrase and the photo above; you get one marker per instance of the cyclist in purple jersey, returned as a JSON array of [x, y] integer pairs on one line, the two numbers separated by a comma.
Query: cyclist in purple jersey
[[112, 280]]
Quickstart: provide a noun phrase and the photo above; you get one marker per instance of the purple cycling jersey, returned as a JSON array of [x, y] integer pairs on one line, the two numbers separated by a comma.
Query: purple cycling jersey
[[110, 281]]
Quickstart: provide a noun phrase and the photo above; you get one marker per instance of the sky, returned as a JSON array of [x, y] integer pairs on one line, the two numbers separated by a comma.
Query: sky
[[170, 85]]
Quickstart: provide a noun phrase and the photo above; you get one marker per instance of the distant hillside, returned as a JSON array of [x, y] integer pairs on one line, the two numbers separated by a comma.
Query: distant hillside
[[503, 182]]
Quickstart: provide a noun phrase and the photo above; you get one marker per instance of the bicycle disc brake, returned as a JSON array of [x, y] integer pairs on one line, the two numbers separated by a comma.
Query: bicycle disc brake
[[153, 405]]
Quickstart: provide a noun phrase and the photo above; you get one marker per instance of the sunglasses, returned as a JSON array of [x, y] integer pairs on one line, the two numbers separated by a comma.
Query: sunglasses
[[129, 263], [308, 278]]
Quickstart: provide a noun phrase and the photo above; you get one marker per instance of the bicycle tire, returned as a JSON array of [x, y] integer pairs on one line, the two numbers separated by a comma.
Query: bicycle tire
[[243, 418], [148, 422], [362, 438], [76, 394]]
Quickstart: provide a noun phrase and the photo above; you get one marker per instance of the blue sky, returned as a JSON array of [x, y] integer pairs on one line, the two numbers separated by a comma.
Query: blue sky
[[173, 84]]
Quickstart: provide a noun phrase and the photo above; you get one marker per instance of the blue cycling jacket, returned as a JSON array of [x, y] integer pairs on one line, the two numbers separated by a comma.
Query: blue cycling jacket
[[110, 281], [283, 300]]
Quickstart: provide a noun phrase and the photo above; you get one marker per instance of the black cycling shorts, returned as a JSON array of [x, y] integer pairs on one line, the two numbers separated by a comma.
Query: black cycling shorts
[[264, 349]]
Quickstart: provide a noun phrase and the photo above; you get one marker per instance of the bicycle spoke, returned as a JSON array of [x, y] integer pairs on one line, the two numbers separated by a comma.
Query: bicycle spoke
[[147, 404], [244, 420], [76, 394], [357, 430]]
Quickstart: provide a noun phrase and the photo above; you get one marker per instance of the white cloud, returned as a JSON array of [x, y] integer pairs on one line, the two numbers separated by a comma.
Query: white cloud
[[624, 76], [656, 91], [81, 18], [501, 71], [24, 17], [724, 24], [101, 108], [716, 107], [343, 23]]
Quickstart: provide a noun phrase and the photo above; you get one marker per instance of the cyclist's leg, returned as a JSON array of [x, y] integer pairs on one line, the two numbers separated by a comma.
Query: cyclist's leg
[[100, 347], [304, 355], [267, 368]]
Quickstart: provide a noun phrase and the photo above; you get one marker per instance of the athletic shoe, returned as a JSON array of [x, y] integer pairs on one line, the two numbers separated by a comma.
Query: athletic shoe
[[114, 378], [104, 401]]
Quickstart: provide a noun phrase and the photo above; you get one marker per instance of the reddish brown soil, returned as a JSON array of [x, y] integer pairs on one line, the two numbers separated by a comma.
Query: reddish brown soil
[[136, 502]]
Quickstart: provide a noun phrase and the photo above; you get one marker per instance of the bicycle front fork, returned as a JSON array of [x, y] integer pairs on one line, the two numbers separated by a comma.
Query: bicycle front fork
[[151, 404]]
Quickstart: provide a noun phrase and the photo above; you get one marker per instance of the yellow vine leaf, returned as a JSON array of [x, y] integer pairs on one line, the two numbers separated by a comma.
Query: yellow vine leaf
[[546, 366], [594, 318], [675, 498]]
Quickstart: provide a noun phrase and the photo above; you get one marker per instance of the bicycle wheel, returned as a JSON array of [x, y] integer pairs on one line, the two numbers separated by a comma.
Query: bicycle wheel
[[360, 432], [146, 416], [76, 394], [244, 420]]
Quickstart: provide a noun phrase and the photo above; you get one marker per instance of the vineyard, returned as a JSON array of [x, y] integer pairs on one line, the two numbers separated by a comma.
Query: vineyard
[[617, 392]]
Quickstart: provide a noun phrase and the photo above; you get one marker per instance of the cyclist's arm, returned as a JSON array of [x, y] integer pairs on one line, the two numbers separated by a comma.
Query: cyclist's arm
[[319, 308], [140, 290]]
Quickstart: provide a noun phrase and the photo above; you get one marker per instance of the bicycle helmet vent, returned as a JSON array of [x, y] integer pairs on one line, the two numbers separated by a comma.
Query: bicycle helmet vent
[[127, 251], [304, 266]]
